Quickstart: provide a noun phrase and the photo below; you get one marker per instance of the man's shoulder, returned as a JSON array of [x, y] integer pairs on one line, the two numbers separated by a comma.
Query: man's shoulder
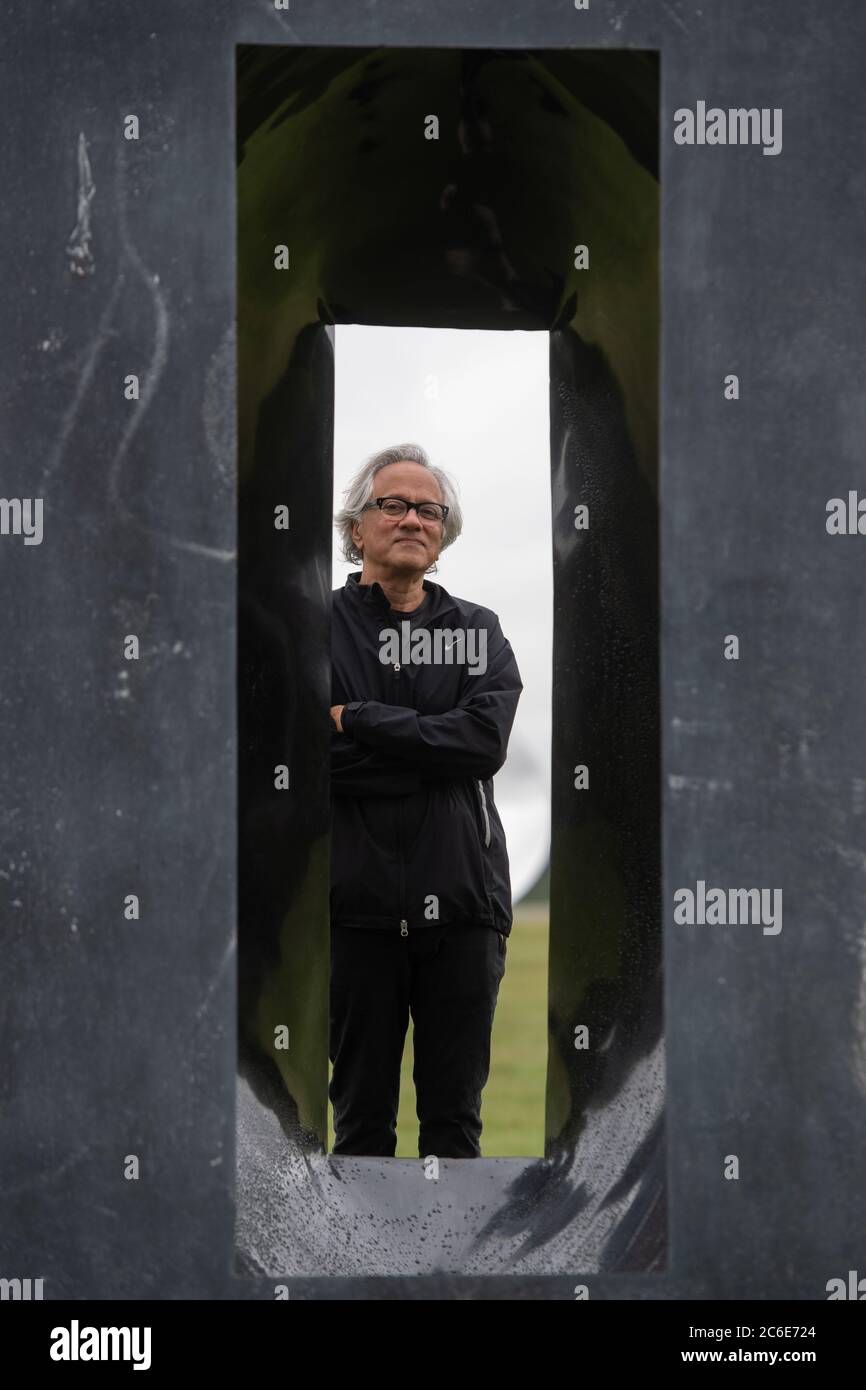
[[471, 613]]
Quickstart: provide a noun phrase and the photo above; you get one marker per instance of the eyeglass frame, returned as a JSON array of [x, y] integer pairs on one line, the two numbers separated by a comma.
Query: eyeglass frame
[[377, 502]]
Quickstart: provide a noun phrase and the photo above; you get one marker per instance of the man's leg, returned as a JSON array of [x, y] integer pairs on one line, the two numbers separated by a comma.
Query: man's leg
[[456, 971], [368, 1020]]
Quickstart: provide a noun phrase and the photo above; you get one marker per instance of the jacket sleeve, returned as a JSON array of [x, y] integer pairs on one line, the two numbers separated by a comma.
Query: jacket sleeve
[[360, 771], [468, 741]]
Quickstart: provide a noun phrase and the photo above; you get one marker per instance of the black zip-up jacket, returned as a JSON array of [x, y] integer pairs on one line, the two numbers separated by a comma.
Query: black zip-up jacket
[[416, 839]]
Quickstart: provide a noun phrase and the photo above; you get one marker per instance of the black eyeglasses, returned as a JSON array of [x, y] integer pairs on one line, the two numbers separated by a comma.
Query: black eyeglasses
[[398, 506]]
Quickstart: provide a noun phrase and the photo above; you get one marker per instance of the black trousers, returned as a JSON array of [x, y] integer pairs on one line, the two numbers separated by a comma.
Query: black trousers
[[448, 977]]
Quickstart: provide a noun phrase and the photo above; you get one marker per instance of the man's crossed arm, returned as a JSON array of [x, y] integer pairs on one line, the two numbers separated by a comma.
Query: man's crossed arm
[[360, 771], [390, 750]]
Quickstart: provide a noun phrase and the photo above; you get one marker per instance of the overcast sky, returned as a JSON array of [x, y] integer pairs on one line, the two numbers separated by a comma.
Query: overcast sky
[[478, 403]]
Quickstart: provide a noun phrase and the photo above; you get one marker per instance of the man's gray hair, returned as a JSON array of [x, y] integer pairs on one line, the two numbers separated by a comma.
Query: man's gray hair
[[360, 490]]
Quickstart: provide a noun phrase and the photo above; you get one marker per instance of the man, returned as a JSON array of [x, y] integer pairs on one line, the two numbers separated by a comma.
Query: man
[[425, 689]]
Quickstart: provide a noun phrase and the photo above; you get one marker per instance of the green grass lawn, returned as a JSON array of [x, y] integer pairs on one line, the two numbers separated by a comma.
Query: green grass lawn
[[513, 1103]]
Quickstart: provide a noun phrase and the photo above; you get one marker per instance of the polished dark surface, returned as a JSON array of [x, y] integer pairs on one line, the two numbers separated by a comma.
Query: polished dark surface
[[596, 1199], [118, 1037]]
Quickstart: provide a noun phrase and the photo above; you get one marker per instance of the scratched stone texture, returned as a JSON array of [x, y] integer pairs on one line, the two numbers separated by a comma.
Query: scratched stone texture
[[121, 1037]]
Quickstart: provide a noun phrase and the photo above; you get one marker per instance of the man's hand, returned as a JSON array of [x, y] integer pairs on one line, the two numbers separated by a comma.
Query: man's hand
[[336, 712]]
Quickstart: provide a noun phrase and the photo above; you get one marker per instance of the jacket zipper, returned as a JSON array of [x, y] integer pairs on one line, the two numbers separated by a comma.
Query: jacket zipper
[[484, 813], [404, 925]]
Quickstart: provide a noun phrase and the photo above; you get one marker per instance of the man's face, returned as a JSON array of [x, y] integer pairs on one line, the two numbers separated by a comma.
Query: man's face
[[403, 544]]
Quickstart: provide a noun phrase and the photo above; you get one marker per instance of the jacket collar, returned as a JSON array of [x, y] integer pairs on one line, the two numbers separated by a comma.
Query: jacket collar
[[375, 598]]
